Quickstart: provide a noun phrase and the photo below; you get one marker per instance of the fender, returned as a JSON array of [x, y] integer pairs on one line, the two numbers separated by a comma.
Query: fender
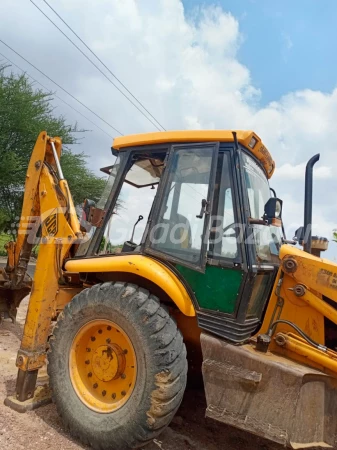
[[139, 265]]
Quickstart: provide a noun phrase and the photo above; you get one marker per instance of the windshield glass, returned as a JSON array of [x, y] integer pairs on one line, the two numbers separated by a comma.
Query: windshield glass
[[267, 238]]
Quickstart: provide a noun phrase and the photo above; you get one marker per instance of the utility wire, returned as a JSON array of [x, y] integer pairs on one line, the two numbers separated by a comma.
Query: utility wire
[[59, 86], [103, 64], [55, 95], [101, 71]]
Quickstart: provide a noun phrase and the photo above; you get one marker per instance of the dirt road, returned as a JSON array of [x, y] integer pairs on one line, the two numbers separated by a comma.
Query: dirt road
[[42, 429]]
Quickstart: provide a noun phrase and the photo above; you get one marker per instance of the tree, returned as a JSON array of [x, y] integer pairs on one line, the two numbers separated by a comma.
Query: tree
[[82, 181], [334, 234], [24, 112]]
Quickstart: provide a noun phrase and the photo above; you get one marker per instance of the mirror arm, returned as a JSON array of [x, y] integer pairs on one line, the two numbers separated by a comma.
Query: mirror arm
[[257, 221], [134, 227]]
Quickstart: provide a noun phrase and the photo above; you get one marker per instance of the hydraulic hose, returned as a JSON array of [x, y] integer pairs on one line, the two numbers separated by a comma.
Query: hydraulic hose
[[300, 332]]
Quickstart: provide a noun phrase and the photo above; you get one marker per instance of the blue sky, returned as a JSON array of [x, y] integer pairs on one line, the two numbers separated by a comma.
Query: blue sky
[[287, 45]]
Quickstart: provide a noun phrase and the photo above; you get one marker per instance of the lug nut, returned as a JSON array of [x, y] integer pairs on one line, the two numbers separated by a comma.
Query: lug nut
[[123, 393], [113, 396], [109, 328], [123, 376], [100, 332], [89, 374], [95, 386], [88, 349], [93, 338], [87, 362], [125, 352], [108, 341], [104, 393]]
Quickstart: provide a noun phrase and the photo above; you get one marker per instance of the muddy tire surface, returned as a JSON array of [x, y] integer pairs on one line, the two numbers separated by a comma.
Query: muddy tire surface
[[160, 359]]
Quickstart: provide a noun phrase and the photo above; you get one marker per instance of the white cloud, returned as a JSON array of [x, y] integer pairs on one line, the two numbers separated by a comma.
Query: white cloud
[[186, 71], [297, 172]]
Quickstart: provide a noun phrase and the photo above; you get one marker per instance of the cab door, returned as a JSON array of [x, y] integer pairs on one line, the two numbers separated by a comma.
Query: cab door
[[179, 228], [217, 290]]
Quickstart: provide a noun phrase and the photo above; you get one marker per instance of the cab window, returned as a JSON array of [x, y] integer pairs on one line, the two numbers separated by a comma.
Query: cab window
[[223, 237], [184, 208]]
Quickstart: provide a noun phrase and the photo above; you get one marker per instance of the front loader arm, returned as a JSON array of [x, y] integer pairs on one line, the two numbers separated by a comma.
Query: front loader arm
[[317, 274], [304, 295], [49, 219]]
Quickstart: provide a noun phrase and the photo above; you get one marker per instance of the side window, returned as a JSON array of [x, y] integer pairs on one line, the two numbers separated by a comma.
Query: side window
[[223, 238], [129, 219], [184, 211], [229, 247]]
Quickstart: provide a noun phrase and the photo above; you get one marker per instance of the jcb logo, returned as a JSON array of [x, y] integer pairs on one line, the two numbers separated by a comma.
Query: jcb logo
[[51, 225]]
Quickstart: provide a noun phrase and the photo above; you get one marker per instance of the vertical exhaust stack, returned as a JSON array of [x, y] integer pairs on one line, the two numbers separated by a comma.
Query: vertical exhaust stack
[[308, 203]]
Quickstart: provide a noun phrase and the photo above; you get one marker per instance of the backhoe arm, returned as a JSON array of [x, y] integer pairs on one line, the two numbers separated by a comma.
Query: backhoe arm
[[49, 219]]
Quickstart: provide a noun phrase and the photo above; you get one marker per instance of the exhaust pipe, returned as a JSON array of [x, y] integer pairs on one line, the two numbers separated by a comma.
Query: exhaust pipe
[[308, 203]]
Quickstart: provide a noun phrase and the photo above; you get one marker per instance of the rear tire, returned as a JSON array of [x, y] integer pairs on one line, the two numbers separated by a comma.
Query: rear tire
[[160, 360]]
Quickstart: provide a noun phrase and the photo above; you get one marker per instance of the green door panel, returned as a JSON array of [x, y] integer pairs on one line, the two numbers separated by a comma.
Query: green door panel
[[217, 289]]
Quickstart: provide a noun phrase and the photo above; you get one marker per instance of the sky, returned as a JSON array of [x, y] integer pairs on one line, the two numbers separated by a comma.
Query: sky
[[262, 65]]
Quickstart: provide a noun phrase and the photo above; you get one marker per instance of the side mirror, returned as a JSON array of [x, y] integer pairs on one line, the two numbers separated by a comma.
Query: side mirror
[[273, 211]]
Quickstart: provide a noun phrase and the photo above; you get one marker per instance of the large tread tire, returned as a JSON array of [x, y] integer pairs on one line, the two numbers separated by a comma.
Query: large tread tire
[[161, 367]]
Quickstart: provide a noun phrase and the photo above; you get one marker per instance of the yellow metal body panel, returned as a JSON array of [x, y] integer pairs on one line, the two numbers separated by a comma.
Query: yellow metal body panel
[[294, 310], [54, 206], [31, 206], [244, 137], [143, 266], [73, 220], [52, 248], [326, 361], [317, 276], [64, 296]]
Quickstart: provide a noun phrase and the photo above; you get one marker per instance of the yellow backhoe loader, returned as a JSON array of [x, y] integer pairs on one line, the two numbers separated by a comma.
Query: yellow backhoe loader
[[209, 282]]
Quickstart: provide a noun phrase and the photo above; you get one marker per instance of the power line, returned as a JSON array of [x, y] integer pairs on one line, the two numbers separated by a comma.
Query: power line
[[64, 90], [101, 71], [52, 93], [103, 64]]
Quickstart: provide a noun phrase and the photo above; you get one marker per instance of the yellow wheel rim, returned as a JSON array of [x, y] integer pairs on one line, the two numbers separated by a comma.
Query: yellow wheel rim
[[103, 366]]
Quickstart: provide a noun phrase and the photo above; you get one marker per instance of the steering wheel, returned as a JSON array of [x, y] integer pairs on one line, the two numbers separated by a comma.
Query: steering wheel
[[228, 227]]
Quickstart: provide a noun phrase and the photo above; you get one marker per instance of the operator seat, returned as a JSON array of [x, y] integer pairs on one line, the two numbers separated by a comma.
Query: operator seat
[[179, 230]]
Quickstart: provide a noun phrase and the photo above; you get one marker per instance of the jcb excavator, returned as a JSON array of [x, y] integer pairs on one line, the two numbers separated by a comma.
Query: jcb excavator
[[212, 273]]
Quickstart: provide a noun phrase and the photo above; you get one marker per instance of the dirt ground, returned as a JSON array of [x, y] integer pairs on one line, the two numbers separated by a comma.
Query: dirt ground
[[41, 429]]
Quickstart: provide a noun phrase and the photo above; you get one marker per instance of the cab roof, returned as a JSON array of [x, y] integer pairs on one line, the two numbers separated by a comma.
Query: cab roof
[[248, 139]]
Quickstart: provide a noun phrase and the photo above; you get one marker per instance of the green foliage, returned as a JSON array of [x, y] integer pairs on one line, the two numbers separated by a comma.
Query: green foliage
[[109, 248], [334, 235], [24, 113], [4, 238], [82, 181]]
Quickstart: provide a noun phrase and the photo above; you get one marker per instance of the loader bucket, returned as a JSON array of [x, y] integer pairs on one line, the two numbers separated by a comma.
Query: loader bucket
[[269, 395], [10, 298]]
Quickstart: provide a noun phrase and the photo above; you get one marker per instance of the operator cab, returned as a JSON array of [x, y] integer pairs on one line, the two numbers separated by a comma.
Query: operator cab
[[200, 202]]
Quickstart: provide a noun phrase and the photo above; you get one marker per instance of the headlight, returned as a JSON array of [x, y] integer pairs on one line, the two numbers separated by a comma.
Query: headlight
[[278, 209], [273, 210]]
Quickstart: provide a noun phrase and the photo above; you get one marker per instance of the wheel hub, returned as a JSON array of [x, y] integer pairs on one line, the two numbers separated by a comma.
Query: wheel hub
[[108, 362], [102, 364]]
